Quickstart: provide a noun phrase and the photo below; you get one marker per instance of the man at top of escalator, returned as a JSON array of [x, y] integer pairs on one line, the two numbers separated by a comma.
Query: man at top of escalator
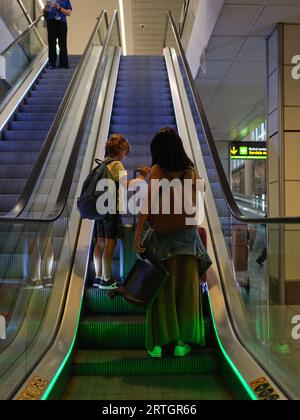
[[56, 14]]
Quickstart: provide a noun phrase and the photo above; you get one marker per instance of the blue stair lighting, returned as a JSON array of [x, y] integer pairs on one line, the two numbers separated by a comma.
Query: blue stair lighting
[[22, 139]]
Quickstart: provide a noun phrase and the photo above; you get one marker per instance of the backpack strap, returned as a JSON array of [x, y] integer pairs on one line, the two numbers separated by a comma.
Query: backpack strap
[[106, 161]]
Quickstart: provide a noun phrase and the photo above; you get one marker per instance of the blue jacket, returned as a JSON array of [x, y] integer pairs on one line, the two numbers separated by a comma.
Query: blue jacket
[[54, 14]]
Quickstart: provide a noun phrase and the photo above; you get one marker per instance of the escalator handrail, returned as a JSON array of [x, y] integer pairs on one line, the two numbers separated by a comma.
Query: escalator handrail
[[23, 8], [22, 36], [229, 198], [37, 169], [71, 166]]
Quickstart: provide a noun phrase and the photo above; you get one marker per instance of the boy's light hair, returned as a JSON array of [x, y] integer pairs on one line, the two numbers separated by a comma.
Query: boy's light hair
[[116, 144]]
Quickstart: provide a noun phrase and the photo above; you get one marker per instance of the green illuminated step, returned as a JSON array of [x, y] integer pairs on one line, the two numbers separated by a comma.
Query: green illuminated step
[[137, 362], [112, 331], [97, 302], [148, 388], [120, 332]]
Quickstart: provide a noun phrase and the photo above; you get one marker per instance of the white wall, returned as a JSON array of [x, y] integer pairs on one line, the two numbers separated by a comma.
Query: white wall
[[83, 20], [204, 15]]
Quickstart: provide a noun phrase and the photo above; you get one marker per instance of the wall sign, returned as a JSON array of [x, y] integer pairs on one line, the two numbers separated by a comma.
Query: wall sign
[[248, 150]]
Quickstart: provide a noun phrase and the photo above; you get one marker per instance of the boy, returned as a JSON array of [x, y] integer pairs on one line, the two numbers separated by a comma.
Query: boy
[[110, 229]]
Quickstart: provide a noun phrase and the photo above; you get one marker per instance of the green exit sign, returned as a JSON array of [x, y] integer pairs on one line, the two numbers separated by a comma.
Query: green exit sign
[[244, 151], [248, 150]]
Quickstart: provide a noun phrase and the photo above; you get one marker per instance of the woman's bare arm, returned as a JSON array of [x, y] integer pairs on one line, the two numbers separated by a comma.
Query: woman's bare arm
[[143, 217]]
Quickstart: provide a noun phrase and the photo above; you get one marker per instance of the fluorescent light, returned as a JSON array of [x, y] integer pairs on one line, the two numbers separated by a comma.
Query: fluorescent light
[[122, 16]]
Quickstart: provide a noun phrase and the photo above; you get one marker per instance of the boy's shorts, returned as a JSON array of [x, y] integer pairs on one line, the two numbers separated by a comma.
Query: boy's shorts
[[111, 227]]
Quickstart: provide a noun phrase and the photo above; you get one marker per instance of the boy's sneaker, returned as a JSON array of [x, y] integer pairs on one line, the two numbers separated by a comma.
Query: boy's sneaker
[[109, 285], [48, 282], [97, 282], [260, 262], [34, 284]]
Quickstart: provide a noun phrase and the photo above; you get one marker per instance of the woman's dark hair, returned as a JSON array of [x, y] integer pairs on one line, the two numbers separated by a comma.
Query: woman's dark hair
[[168, 151]]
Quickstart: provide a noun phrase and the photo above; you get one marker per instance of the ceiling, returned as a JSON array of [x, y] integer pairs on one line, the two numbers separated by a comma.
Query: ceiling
[[233, 87], [151, 13]]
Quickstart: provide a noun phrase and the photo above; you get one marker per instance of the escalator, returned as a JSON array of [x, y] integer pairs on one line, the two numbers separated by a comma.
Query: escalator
[[23, 137], [112, 333], [30, 104], [88, 347]]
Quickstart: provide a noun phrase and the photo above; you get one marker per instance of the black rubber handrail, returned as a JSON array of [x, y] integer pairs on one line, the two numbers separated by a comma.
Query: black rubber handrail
[[22, 36], [229, 198], [71, 166], [37, 169], [185, 10]]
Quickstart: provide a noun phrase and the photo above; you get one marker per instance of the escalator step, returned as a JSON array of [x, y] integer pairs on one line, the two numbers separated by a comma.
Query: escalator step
[[121, 331], [158, 387], [20, 147], [137, 362], [8, 202], [36, 117], [163, 121], [29, 126], [97, 302], [15, 171], [14, 186], [133, 102], [112, 332], [134, 162], [24, 136], [136, 130], [143, 111]]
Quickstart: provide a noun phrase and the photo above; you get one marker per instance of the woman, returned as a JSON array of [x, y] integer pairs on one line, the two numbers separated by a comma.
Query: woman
[[176, 316], [56, 15]]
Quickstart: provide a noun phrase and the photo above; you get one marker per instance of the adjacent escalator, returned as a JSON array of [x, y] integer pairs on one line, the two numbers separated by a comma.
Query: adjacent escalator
[[111, 362], [22, 139]]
